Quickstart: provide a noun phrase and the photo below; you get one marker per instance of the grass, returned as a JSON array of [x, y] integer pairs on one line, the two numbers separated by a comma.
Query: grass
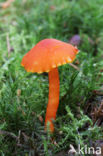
[[24, 96]]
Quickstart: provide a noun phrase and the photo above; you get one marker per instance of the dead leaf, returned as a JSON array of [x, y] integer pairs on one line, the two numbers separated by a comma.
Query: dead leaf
[[41, 118], [18, 92], [6, 4]]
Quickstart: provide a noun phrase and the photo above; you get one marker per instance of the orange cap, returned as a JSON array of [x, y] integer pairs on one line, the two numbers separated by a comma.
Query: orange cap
[[48, 54]]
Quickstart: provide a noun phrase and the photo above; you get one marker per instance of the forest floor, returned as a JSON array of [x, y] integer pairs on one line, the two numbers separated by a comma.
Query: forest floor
[[24, 96]]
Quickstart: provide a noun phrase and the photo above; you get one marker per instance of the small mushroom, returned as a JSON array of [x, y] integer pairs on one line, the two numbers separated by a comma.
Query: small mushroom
[[75, 40], [46, 56]]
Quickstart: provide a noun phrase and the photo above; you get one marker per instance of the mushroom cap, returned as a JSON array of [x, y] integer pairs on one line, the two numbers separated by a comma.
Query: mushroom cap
[[48, 54]]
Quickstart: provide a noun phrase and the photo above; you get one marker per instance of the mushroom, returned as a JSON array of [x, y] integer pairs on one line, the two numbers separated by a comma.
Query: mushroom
[[46, 56]]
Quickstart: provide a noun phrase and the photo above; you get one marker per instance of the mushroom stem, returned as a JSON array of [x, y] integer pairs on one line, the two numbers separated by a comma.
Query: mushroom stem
[[53, 101]]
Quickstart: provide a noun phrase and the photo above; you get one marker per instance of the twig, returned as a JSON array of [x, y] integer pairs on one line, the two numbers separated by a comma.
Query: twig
[[26, 138], [97, 115], [19, 134], [98, 92], [74, 66], [8, 134], [22, 145], [8, 45]]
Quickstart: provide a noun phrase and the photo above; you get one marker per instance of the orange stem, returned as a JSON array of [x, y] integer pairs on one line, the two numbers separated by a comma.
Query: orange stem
[[53, 101]]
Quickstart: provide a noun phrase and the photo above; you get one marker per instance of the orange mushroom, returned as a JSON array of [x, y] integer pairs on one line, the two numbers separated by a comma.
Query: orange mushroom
[[46, 56]]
